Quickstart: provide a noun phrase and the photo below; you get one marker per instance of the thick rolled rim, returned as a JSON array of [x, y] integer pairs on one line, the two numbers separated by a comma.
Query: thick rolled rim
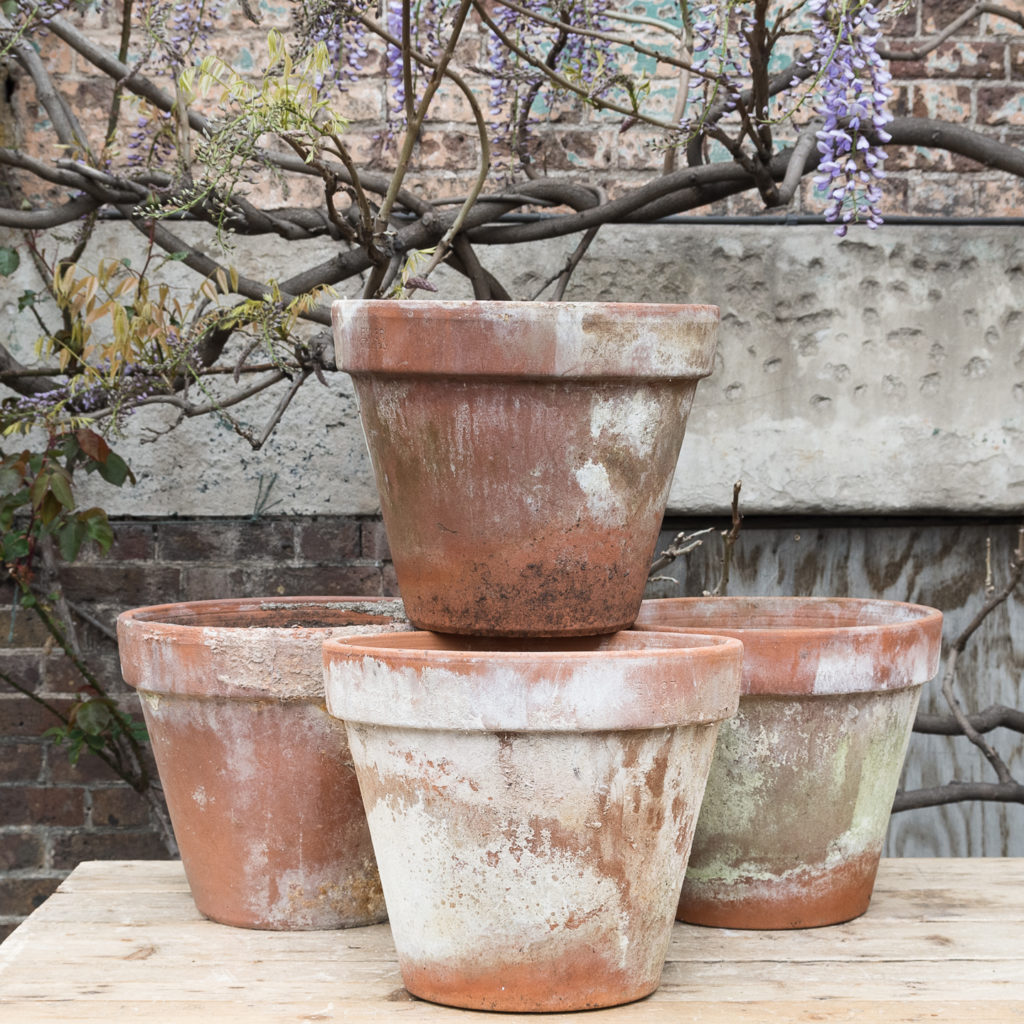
[[184, 618], [622, 681], [802, 646]]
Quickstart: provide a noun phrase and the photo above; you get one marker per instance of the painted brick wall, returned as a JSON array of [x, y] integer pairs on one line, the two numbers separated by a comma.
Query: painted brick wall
[[975, 78], [53, 814]]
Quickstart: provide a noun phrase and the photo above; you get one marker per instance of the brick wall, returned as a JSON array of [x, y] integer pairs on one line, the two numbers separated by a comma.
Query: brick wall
[[53, 815], [975, 78]]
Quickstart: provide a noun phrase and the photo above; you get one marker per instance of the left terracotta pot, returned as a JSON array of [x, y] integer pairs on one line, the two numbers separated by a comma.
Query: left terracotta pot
[[523, 452], [531, 804], [258, 779]]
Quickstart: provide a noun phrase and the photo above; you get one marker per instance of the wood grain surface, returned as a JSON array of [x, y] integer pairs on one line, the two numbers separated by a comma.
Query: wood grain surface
[[121, 940]]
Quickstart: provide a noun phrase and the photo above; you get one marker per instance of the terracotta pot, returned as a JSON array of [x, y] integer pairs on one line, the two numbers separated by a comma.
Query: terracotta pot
[[523, 452], [803, 779], [257, 776], [531, 804]]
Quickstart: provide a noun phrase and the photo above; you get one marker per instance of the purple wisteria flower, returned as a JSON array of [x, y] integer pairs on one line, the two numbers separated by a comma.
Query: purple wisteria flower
[[854, 92]]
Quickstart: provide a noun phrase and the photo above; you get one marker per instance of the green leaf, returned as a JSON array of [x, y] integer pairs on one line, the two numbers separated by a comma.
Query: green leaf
[[115, 470], [57, 733], [9, 260], [15, 547], [69, 539], [93, 717], [49, 508], [60, 486], [97, 527], [26, 300]]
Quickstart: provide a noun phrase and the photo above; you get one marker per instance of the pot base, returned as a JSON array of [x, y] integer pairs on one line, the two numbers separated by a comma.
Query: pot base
[[806, 898], [573, 982]]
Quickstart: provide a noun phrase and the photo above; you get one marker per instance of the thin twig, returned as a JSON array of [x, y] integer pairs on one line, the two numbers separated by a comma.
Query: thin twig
[[729, 538], [682, 544]]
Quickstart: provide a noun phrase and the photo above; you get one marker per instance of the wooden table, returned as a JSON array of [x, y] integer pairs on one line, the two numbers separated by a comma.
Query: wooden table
[[121, 941]]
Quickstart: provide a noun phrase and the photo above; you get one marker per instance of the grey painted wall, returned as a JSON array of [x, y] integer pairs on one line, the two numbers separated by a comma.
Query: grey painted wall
[[882, 373]]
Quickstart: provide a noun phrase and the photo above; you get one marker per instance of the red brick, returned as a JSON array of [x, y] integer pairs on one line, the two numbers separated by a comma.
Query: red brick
[[209, 583], [133, 542], [21, 716], [375, 541], [129, 587], [73, 848], [21, 851], [1017, 60], [389, 581], [945, 101], [329, 540], [22, 762], [356, 580], [999, 105], [59, 675], [20, 896], [22, 666], [119, 806], [22, 627], [42, 805], [903, 25], [956, 59], [89, 768], [226, 541]]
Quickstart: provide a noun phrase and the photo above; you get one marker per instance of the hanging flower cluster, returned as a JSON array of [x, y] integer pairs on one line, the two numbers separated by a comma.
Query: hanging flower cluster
[[854, 92]]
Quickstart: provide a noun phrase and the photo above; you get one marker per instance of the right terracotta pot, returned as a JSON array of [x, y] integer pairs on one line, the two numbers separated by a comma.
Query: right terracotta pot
[[802, 783]]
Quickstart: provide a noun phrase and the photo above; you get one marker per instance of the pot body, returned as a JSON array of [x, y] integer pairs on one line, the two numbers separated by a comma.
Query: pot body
[[523, 452], [532, 807], [803, 778], [257, 775]]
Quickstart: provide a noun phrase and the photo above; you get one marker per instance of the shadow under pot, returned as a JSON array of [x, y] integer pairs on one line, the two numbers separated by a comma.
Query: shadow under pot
[[531, 804], [804, 775], [523, 452], [257, 775]]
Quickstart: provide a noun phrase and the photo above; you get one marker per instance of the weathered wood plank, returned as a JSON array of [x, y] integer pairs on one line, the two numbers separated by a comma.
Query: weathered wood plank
[[943, 941]]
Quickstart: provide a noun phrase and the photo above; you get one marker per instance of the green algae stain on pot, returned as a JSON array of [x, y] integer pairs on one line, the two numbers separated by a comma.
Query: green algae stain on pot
[[880, 765], [799, 789]]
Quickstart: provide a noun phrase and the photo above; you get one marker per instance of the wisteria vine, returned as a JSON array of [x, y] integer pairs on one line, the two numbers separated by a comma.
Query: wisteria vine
[[854, 94]]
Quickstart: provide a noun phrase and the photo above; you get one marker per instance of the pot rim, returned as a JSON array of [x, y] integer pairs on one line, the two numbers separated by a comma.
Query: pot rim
[[851, 654], [167, 616], [626, 680], [903, 612], [204, 658], [427, 645], [564, 340]]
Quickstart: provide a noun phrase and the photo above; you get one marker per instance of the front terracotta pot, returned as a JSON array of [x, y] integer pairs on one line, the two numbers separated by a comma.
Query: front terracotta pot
[[803, 779], [531, 804], [523, 452], [258, 780]]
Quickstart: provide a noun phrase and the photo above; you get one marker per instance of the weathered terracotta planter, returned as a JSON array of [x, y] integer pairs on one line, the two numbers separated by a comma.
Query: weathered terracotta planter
[[523, 452], [803, 779], [531, 804], [259, 784]]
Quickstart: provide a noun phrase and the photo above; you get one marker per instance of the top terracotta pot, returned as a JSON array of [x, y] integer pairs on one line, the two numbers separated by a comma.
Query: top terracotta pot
[[523, 452]]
